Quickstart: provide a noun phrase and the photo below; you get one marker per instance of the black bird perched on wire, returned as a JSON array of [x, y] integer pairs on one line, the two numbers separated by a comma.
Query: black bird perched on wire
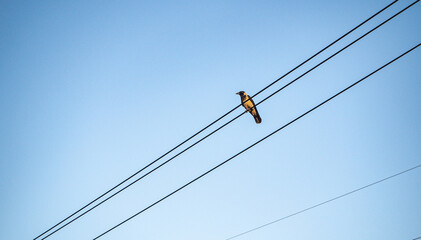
[[249, 105]]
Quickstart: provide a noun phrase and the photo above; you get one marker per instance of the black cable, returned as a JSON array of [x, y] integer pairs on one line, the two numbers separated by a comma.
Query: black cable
[[194, 135], [162, 164], [254, 144], [325, 202]]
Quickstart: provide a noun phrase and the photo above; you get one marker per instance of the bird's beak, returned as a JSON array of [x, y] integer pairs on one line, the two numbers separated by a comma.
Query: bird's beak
[[238, 93]]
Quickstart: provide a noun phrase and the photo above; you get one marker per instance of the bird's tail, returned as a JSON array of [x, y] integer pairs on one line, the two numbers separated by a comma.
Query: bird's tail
[[257, 118]]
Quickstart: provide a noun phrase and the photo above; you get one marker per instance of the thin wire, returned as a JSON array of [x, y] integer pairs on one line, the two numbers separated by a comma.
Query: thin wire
[[167, 161], [254, 144], [194, 135], [325, 202]]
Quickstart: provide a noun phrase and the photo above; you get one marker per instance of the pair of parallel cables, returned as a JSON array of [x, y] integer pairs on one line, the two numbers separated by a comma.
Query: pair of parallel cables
[[194, 135]]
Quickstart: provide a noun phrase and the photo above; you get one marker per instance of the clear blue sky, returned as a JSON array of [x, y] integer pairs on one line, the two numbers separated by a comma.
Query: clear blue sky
[[91, 91]]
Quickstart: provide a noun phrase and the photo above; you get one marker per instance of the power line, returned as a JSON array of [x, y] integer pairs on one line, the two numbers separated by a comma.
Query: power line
[[162, 164], [254, 144], [194, 135], [325, 202]]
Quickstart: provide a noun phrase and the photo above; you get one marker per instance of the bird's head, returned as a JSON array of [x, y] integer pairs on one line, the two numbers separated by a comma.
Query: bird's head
[[241, 93]]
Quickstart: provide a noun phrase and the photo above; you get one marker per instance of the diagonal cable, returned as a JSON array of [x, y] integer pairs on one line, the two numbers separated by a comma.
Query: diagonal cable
[[325, 202]]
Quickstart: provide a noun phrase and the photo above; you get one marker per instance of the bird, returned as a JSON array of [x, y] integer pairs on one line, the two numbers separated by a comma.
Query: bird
[[249, 105]]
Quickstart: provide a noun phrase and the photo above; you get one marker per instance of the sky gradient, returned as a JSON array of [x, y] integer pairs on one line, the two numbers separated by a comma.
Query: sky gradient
[[92, 91]]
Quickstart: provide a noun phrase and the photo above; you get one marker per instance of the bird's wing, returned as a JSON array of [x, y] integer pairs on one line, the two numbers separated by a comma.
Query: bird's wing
[[253, 105]]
